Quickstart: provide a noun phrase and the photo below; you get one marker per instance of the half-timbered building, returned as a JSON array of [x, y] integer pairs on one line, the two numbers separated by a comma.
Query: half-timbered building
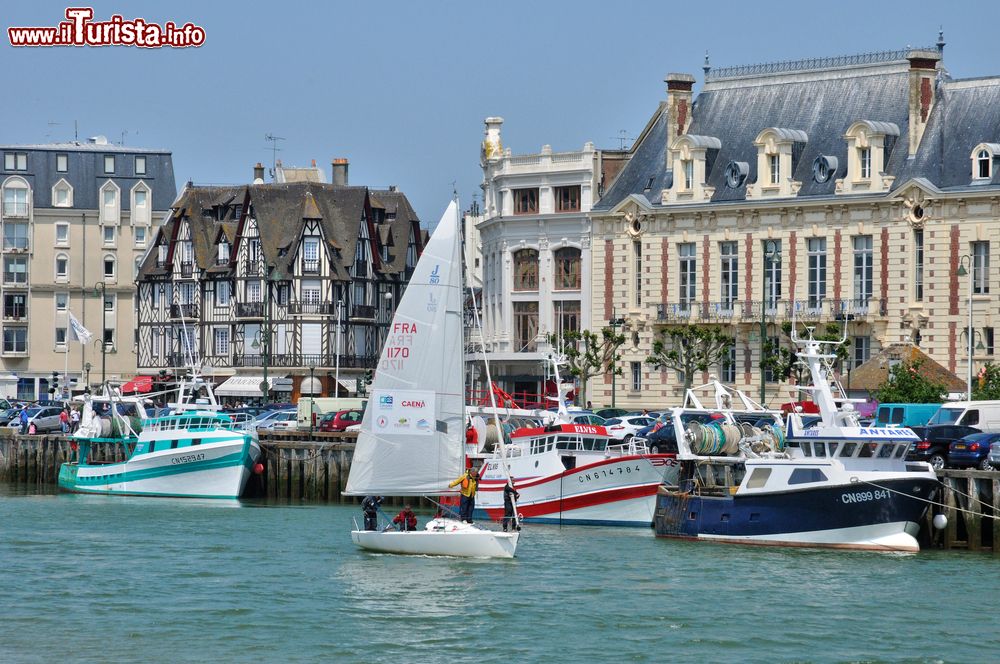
[[296, 280]]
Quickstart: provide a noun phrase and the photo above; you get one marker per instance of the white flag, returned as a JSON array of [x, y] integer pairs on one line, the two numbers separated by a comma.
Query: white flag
[[82, 334]]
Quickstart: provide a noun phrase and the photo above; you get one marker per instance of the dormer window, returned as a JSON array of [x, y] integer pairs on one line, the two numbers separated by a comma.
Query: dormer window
[[161, 255], [690, 158], [869, 146], [982, 160], [865, 163], [223, 257], [778, 151]]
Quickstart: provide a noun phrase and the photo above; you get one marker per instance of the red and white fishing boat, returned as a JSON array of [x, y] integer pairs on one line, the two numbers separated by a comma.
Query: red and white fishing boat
[[576, 474]]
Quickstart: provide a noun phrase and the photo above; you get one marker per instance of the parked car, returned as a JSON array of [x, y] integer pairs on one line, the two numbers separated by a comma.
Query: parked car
[[608, 413], [905, 414], [994, 455], [283, 420], [587, 418], [935, 441], [625, 428], [340, 420], [241, 418], [972, 451], [663, 440], [649, 413], [45, 419], [984, 415], [266, 420]]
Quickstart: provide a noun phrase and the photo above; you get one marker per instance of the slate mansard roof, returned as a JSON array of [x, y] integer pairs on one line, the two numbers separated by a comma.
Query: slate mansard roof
[[822, 99], [85, 172]]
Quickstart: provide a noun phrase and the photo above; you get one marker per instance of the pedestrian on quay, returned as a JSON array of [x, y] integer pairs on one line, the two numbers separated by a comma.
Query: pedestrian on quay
[[510, 494], [369, 506], [590, 406], [74, 420], [406, 519], [23, 419], [64, 421], [469, 482]]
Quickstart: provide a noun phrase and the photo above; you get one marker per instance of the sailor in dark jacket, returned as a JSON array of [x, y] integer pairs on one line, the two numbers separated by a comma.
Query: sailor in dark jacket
[[370, 507], [510, 494]]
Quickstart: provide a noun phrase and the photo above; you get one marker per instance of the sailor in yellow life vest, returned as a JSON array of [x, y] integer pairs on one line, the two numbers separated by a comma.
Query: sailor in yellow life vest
[[470, 483]]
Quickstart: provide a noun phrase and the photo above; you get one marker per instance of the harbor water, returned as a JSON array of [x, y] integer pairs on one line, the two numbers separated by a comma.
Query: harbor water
[[93, 578]]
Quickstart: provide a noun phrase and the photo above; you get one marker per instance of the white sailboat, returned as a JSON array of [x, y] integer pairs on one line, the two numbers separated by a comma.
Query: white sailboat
[[412, 438]]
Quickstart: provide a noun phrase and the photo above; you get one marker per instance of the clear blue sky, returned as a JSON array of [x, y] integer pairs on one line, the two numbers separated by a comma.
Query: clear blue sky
[[401, 88]]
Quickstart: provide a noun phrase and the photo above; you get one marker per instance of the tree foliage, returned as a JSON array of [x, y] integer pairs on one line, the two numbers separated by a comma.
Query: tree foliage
[[781, 359], [588, 354], [906, 383], [987, 385], [691, 349]]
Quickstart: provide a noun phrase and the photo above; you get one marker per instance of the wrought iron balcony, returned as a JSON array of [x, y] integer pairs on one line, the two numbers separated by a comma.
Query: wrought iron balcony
[[183, 310], [310, 266], [303, 360], [187, 270], [312, 308], [362, 312], [249, 309]]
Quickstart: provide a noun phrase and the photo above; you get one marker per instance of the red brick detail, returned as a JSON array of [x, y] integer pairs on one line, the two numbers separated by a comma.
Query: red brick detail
[[952, 346], [706, 254], [926, 95], [682, 114], [836, 265], [748, 282], [664, 271], [884, 271], [609, 270], [793, 251], [953, 272]]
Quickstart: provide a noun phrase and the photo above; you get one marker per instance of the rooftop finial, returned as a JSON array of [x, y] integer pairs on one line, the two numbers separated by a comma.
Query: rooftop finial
[[707, 67], [940, 41]]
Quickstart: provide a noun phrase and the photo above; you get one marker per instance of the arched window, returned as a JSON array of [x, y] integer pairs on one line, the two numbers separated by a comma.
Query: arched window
[[568, 269], [62, 267], [140, 204], [110, 267], [15, 198], [983, 160], [526, 270], [110, 203]]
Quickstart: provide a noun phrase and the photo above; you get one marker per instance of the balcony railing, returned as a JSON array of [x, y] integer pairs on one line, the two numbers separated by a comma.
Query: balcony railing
[[15, 244], [183, 310], [249, 309], [304, 360], [15, 209], [15, 279], [15, 313], [362, 312], [313, 308], [310, 266], [826, 309], [187, 270]]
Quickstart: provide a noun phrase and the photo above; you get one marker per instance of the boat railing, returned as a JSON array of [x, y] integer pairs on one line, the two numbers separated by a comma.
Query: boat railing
[[632, 448], [189, 423]]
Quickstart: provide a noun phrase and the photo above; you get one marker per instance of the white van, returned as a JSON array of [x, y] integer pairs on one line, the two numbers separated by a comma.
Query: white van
[[323, 405], [984, 415]]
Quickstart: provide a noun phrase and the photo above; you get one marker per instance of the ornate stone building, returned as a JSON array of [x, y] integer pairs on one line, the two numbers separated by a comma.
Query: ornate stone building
[[847, 190]]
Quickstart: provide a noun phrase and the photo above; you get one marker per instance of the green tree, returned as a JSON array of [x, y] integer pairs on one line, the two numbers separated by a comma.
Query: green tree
[[906, 383], [987, 385], [691, 349], [588, 354], [781, 359]]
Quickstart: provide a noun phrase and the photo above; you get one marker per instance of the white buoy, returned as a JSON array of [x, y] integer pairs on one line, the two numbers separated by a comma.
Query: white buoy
[[940, 521]]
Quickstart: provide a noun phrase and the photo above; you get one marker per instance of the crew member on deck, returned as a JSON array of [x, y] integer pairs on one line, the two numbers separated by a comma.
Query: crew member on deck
[[472, 436], [510, 494], [370, 507], [406, 519], [470, 482]]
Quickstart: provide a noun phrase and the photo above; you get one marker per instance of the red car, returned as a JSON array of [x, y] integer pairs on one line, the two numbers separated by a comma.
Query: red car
[[340, 420]]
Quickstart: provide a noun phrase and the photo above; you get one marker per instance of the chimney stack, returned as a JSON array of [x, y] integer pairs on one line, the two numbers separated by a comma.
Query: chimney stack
[[923, 75], [338, 174], [678, 104], [258, 173]]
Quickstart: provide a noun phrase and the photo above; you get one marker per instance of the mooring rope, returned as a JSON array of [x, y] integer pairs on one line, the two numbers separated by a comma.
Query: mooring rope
[[931, 502]]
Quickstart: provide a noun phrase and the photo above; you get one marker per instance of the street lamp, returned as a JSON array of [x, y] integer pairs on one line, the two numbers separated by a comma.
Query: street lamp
[[962, 271], [614, 324], [87, 367], [772, 255], [100, 288], [336, 376], [312, 392]]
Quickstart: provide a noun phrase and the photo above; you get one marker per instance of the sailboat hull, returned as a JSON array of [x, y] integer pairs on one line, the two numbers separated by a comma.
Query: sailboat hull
[[468, 543]]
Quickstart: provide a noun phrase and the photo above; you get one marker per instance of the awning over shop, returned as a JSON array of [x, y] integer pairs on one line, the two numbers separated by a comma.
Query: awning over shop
[[249, 386], [349, 384], [142, 384]]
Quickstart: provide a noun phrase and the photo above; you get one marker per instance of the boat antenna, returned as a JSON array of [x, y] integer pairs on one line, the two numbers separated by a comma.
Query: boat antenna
[[501, 442]]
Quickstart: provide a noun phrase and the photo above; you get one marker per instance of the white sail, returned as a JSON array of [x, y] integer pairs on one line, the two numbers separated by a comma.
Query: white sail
[[413, 432]]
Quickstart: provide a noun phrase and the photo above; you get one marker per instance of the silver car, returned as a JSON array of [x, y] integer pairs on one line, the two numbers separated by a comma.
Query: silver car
[[994, 455], [45, 418]]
